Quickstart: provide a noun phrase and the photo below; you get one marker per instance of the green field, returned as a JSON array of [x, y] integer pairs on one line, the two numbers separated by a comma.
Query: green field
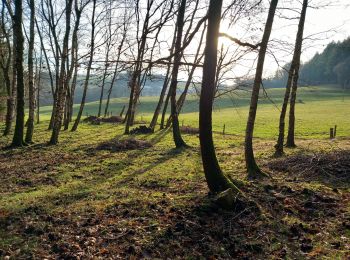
[[318, 109]]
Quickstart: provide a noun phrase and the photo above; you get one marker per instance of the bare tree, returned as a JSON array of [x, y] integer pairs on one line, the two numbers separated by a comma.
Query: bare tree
[[30, 122], [88, 70], [164, 87], [17, 140], [120, 50], [61, 88], [6, 59], [252, 168], [293, 75], [216, 180], [179, 142], [291, 126], [74, 63], [150, 25]]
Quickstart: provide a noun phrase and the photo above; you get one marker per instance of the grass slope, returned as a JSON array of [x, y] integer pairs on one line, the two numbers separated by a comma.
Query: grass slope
[[74, 200]]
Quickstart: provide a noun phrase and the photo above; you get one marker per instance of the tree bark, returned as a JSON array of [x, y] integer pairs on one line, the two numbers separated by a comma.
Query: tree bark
[[291, 127], [6, 60], [216, 180], [179, 142], [251, 165], [87, 78], [61, 88], [293, 75], [30, 122], [17, 140]]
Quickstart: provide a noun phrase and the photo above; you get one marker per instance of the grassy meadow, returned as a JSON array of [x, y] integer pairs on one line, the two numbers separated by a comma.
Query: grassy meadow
[[77, 200], [318, 109]]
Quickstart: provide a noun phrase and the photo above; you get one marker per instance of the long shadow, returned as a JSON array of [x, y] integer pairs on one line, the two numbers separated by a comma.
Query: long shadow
[[83, 188]]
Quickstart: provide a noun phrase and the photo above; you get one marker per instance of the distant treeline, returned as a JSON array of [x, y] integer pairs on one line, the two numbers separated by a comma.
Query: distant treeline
[[332, 66], [152, 87]]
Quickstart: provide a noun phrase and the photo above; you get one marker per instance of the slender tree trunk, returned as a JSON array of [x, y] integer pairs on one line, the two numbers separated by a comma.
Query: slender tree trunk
[[19, 46], [179, 142], [108, 46], [183, 95], [11, 102], [5, 66], [87, 78], [30, 122], [61, 89], [164, 88], [252, 167], [165, 109], [102, 90], [291, 127], [280, 141], [115, 73], [292, 80], [216, 180], [71, 99], [38, 91]]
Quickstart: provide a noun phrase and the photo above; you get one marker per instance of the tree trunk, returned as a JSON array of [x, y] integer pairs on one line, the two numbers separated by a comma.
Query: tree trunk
[[252, 168], [165, 108], [216, 180], [61, 88], [291, 127], [19, 46], [164, 88], [30, 122], [292, 80], [179, 142], [87, 78], [11, 102]]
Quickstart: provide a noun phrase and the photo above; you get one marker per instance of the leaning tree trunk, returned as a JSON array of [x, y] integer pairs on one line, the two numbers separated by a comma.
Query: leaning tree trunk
[[291, 127], [19, 46], [292, 80], [179, 142], [30, 122], [86, 83], [252, 168], [216, 180]]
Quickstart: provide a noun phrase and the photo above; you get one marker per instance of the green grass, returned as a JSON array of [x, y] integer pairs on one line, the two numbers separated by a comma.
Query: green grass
[[57, 188], [318, 109]]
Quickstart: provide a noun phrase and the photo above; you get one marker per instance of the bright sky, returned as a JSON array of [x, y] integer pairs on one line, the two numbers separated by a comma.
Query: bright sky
[[324, 24]]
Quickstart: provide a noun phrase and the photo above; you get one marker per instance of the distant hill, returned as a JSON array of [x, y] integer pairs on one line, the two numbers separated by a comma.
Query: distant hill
[[332, 66]]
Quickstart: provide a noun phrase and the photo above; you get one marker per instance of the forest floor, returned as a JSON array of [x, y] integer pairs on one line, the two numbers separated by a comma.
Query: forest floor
[[101, 194]]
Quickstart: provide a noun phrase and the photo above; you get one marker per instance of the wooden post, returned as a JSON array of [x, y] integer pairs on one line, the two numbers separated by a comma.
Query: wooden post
[[183, 122], [223, 130], [331, 133], [335, 131]]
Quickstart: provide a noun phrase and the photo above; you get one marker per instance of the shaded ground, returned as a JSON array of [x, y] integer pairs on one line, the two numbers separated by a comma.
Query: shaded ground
[[75, 201], [330, 168]]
